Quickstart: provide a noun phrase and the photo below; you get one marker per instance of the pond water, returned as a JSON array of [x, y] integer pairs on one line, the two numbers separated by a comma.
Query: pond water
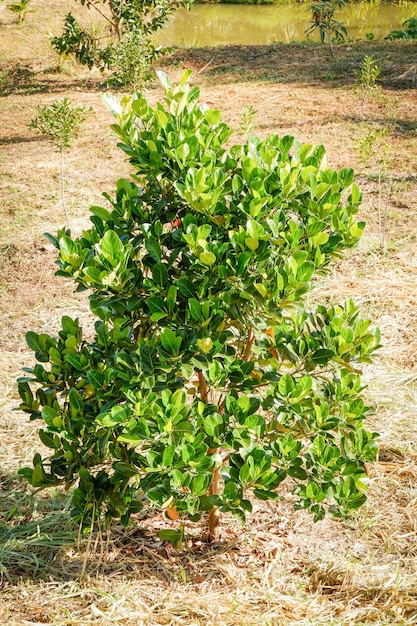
[[221, 24]]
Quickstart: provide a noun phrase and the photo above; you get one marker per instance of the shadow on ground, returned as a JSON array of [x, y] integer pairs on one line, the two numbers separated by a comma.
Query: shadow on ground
[[307, 63], [39, 540]]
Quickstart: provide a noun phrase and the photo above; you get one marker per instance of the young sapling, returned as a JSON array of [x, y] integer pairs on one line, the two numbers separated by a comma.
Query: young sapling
[[60, 123], [366, 86]]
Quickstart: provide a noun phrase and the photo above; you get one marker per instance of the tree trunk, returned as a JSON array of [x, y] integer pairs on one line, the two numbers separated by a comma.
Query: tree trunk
[[329, 38]]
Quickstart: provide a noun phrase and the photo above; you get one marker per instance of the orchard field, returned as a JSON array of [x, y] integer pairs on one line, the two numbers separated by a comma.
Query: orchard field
[[281, 568]]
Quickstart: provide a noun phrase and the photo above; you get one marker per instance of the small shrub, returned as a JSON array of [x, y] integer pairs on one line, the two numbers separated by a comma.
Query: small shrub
[[20, 9], [211, 377], [132, 61], [409, 32]]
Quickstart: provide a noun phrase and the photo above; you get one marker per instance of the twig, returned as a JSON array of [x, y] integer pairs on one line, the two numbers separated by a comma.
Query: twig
[[205, 67]]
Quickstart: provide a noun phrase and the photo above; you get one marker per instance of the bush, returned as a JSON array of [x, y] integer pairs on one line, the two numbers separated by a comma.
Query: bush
[[409, 32], [210, 376], [132, 61]]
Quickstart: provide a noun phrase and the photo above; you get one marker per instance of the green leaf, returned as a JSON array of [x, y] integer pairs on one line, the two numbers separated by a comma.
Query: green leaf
[[355, 195], [102, 213], [75, 400], [148, 356], [171, 298], [285, 385], [245, 474], [207, 258], [160, 274], [205, 344], [252, 243], [213, 117], [168, 456], [47, 439], [95, 378], [322, 356], [264, 494], [174, 537], [157, 305], [200, 484], [195, 309], [74, 360], [111, 247], [297, 472], [319, 239], [154, 249], [355, 231], [35, 342], [213, 424], [170, 341], [305, 272], [68, 251], [186, 287]]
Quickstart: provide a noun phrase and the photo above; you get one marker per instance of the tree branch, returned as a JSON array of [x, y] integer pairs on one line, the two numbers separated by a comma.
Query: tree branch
[[249, 344]]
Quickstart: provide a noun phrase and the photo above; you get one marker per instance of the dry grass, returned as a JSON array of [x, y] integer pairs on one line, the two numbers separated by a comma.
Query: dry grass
[[281, 569]]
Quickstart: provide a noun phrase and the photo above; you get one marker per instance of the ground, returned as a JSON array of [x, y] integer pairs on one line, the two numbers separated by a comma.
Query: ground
[[281, 569]]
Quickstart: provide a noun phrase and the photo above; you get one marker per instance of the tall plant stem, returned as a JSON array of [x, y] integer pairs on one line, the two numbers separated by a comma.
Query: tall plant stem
[[249, 344], [329, 38], [213, 490], [385, 221], [214, 516], [117, 19], [379, 209], [90, 539], [203, 387], [61, 152], [113, 23]]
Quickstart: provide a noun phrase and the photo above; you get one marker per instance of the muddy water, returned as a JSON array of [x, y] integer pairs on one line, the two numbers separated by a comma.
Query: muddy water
[[221, 24]]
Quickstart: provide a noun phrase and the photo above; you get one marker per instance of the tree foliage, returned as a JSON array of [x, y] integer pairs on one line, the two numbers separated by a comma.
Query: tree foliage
[[60, 122], [130, 26], [366, 85], [408, 32], [324, 22], [211, 375]]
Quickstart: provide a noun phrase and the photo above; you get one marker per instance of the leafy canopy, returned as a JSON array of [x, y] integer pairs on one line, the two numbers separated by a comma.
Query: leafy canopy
[[210, 376], [60, 122], [127, 47]]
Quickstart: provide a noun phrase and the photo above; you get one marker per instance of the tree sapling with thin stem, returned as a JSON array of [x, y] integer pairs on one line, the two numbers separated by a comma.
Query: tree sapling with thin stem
[[366, 86], [60, 123], [373, 151]]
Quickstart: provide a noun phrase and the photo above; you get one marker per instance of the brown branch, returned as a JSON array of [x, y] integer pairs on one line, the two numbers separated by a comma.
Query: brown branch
[[249, 344], [214, 515], [203, 387], [91, 5]]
